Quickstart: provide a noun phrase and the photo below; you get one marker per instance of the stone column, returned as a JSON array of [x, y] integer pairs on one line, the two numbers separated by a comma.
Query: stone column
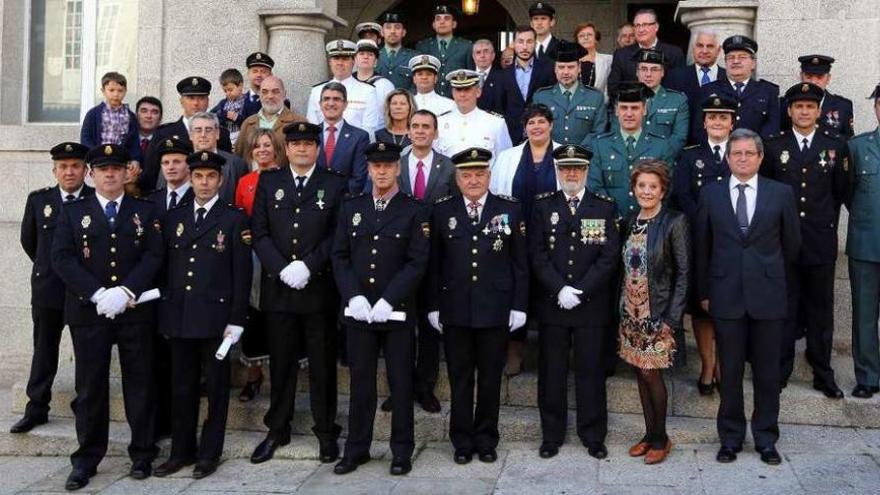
[[725, 17], [296, 42]]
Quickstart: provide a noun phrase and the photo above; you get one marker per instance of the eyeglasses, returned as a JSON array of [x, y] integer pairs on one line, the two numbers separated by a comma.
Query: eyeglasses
[[650, 70], [644, 25], [743, 154]]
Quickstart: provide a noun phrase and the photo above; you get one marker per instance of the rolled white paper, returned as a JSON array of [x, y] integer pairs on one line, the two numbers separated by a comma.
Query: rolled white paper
[[148, 295], [224, 348], [395, 315]]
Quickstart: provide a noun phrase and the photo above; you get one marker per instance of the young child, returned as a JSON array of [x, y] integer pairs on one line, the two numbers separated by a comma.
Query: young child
[[229, 111], [111, 121]]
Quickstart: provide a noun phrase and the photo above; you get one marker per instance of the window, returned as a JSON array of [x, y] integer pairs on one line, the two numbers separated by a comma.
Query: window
[[72, 44]]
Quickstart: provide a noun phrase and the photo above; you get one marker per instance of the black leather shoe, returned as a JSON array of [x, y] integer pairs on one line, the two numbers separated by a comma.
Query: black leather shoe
[[141, 470], [463, 456], [78, 478], [27, 424], [864, 391], [171, 466], [770, 456], [329, 451], [831, 390], [204, 469], [705, 389], [429, 402], [488, 455], [597, 450], [400, 466], [250, 390], [266, 450], [547, 451], [386, 405], [349, 464], [727, 454]]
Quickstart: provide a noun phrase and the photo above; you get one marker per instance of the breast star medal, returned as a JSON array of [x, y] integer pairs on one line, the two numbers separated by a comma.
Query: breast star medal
[[179, 230], [279, 195], [356, 219], [554, 218], [86, 221], [783, 157], [452, 223], [47, 211]]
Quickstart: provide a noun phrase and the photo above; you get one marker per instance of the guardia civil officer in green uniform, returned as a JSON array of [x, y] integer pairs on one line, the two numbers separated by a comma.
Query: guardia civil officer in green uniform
[[863, 249], [667, 112], [453, 52], [614, 153], [813, 161], [393, 56], [578, 111]]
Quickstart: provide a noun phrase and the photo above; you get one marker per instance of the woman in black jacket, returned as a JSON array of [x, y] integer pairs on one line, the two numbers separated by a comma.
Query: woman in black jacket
[[656, 263]]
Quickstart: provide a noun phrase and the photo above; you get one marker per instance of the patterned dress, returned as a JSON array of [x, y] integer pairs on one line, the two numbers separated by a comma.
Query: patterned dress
[[643, 341]]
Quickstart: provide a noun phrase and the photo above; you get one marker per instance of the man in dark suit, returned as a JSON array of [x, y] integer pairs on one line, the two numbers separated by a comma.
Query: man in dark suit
[[479, 293], [747, 234], [380, 253], [813, 161], [294, 220], [837, 111], [757, 99], [41, 214], [342, 145], [204, 302], [205, 134], [490, 75], [193, 93], [520, 81], [623, 65], [542, 18], [107, 250], [689, 79], [453, 52], [574, 246]]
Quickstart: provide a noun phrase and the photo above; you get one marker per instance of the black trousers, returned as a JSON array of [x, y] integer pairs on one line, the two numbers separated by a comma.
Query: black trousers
[[162, 376], [592, 412], [48, 325], [286, 333], [758, 342], [363, 356], [92, 346], [190, 358], [470, 350], [428, 352], [811, 312]]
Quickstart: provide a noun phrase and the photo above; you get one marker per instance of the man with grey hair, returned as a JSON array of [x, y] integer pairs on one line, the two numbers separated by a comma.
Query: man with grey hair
[[741, 263], [704, 70], [484, 61], [204, 132], [273, 115]]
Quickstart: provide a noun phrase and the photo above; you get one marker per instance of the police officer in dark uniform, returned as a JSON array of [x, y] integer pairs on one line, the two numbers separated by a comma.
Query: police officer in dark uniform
[[757, 99], [204, 302], [41, 214], [574, 246], [837, 111], [380, 254], [479, 284], [294, 220], [107, 250], [259, 67], [814, 162], [697, 166]]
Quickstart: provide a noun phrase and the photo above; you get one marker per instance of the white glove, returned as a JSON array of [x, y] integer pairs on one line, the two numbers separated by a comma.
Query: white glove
[[517, 319], [286, 275], [380, 312], [233, 331], [97, 294], [359, 307], [568, 297], [113, 302], [300, 275], [434, 320]]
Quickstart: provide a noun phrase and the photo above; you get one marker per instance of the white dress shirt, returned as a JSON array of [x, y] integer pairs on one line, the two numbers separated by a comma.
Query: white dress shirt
[[744, 83], [181, 191], [800, 138], [751, 193], [481, 202], [713, 72], [414, 168], [103, 201], [308, 175], [436, 104], [207, 206], [75, 194], [545, 44], [722, 144]]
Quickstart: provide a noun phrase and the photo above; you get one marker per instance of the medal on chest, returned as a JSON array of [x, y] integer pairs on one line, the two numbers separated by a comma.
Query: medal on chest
[[593, 231], [220, 245], [320, 202], [47, 211]]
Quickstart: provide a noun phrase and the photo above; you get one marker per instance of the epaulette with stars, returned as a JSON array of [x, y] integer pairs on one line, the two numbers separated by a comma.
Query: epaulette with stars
[[331, 171], [507, 198], [545, 195], [777, 135], [441, 200], [495, 114], [350, 196], [691, 147], [832, 133], [445, 113], [39, 191], [321, 83], [608, 199]]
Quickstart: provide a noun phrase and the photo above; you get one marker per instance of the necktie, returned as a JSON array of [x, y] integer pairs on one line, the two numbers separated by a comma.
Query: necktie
[[380, 204], [173, 203], [200, 216], [805, 145], [474, 212], [330, 145], [630, 146], [69, 197], [392, 53], [739, 89], [567, 95], [419, 186], [705, 79], [443, 44], [742, 213], [717, 153], [300, 181], [541, 51], [573, 204], [144, 143], [110, 211]]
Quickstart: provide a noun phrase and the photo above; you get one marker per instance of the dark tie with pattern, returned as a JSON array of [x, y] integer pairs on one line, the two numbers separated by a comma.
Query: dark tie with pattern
[[739, 89], [474, 212], [573, 204], [381, 204], [705, 79], [742, 212]]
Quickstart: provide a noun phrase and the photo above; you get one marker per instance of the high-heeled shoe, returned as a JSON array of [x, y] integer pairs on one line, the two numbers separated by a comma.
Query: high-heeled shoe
[[250, 390], [705, 388]]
